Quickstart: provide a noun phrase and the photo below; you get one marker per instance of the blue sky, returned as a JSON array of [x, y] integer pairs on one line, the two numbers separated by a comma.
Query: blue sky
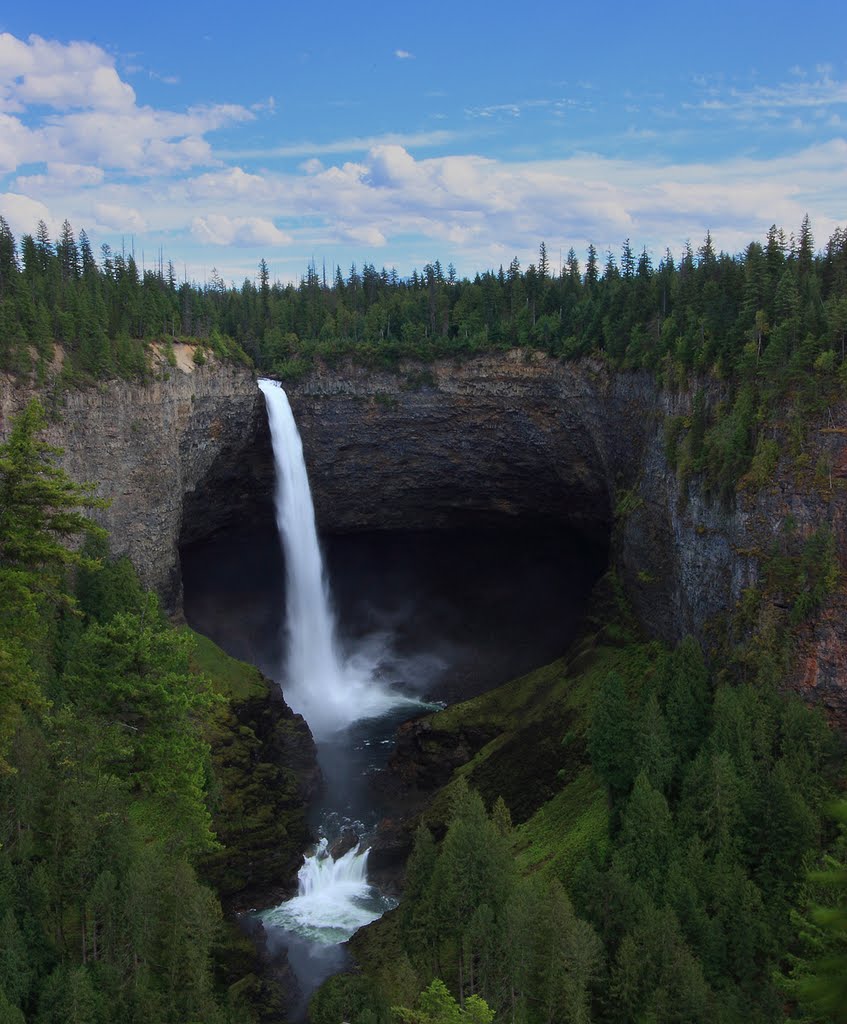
[[399, 134]]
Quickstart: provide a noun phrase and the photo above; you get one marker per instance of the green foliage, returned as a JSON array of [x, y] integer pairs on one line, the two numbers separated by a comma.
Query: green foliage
[[611, 734], [40, 506], [802, 572], [764, 463], [131, 677], [40, 510], [103, 798], [682, 880], [769, 324], [817, 975], [627, 503], [437, 1006]]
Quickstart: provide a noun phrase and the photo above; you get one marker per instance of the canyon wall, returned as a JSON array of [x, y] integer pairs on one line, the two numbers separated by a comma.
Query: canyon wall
[[522, 438], [148, 446], [510, 439]]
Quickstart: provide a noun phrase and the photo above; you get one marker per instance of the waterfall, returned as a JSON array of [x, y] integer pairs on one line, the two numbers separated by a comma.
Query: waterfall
[[333, 900], [329, 690]]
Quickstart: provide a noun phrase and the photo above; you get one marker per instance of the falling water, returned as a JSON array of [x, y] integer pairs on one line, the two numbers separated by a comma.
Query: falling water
[[328, 689], [334, 898]]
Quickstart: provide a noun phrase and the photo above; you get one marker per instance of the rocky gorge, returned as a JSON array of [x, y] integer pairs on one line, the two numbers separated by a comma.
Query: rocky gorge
[[515, 439]]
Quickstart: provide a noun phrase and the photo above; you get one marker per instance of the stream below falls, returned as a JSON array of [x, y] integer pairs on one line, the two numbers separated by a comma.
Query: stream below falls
[[462, 611]]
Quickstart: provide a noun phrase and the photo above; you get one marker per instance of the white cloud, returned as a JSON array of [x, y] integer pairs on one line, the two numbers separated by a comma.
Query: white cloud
[[772, 101], [23, 213], [392, 166], [218, 229], [60, 176], [363, 234], [18, 144], [91, 115], [113, 217], [58, 75], [110, 164], [355, 144], [404, 55]]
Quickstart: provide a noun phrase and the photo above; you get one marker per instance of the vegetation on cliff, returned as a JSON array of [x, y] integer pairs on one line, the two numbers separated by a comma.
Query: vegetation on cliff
[[764, 325], [111, 803], [103, 315]]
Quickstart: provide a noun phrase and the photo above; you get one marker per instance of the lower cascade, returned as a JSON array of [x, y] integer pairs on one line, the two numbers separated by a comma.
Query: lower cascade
[[334, 898]]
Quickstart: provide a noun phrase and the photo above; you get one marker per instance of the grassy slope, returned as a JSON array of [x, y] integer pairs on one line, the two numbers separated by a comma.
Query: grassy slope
[[538, 762], [233, 679]]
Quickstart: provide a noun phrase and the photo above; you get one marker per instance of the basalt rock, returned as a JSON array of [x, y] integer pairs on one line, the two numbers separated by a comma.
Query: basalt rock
[[521, 438], [174, 456], [425, 757], [510, 439]]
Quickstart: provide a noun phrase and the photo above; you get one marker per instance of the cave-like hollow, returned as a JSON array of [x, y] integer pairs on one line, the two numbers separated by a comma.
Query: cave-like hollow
[[475, 548]]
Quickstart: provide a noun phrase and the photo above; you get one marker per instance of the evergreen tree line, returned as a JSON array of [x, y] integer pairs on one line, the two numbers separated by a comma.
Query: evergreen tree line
[[708, 310], [700, 909], [104, 773], [770, 324]]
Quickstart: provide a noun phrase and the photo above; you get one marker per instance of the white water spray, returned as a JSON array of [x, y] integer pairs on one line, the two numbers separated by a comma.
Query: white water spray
[[330, 691], [333, 900]]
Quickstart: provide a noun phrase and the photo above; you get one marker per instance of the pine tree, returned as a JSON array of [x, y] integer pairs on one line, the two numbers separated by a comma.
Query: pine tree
[[8, 259], [611, 734], [543, 265], [40, 506]]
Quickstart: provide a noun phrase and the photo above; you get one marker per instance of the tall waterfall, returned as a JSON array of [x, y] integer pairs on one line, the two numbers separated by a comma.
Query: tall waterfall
[[329, 690]]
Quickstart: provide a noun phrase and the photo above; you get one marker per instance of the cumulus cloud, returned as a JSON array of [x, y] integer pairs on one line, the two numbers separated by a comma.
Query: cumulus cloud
[[404, 55], [474, 209], [18, 144], [363, 234], [82, 112], [58, 75], [60, 176], [110, 163], [118, 218], [218, 229], [23, 213]]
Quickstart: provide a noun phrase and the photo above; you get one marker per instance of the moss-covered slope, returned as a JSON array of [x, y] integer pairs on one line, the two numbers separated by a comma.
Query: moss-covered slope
[[264, 768]]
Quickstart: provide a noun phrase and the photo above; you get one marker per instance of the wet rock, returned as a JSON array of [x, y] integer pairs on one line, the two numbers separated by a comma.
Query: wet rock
[[389, 851], [266, 985], [347, 841], [425, 757]]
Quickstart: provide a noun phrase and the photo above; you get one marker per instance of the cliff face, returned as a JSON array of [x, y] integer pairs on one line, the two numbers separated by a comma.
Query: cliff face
[[502, 439], [688, 561], [514, 439], [521, 439], [149, 447]]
